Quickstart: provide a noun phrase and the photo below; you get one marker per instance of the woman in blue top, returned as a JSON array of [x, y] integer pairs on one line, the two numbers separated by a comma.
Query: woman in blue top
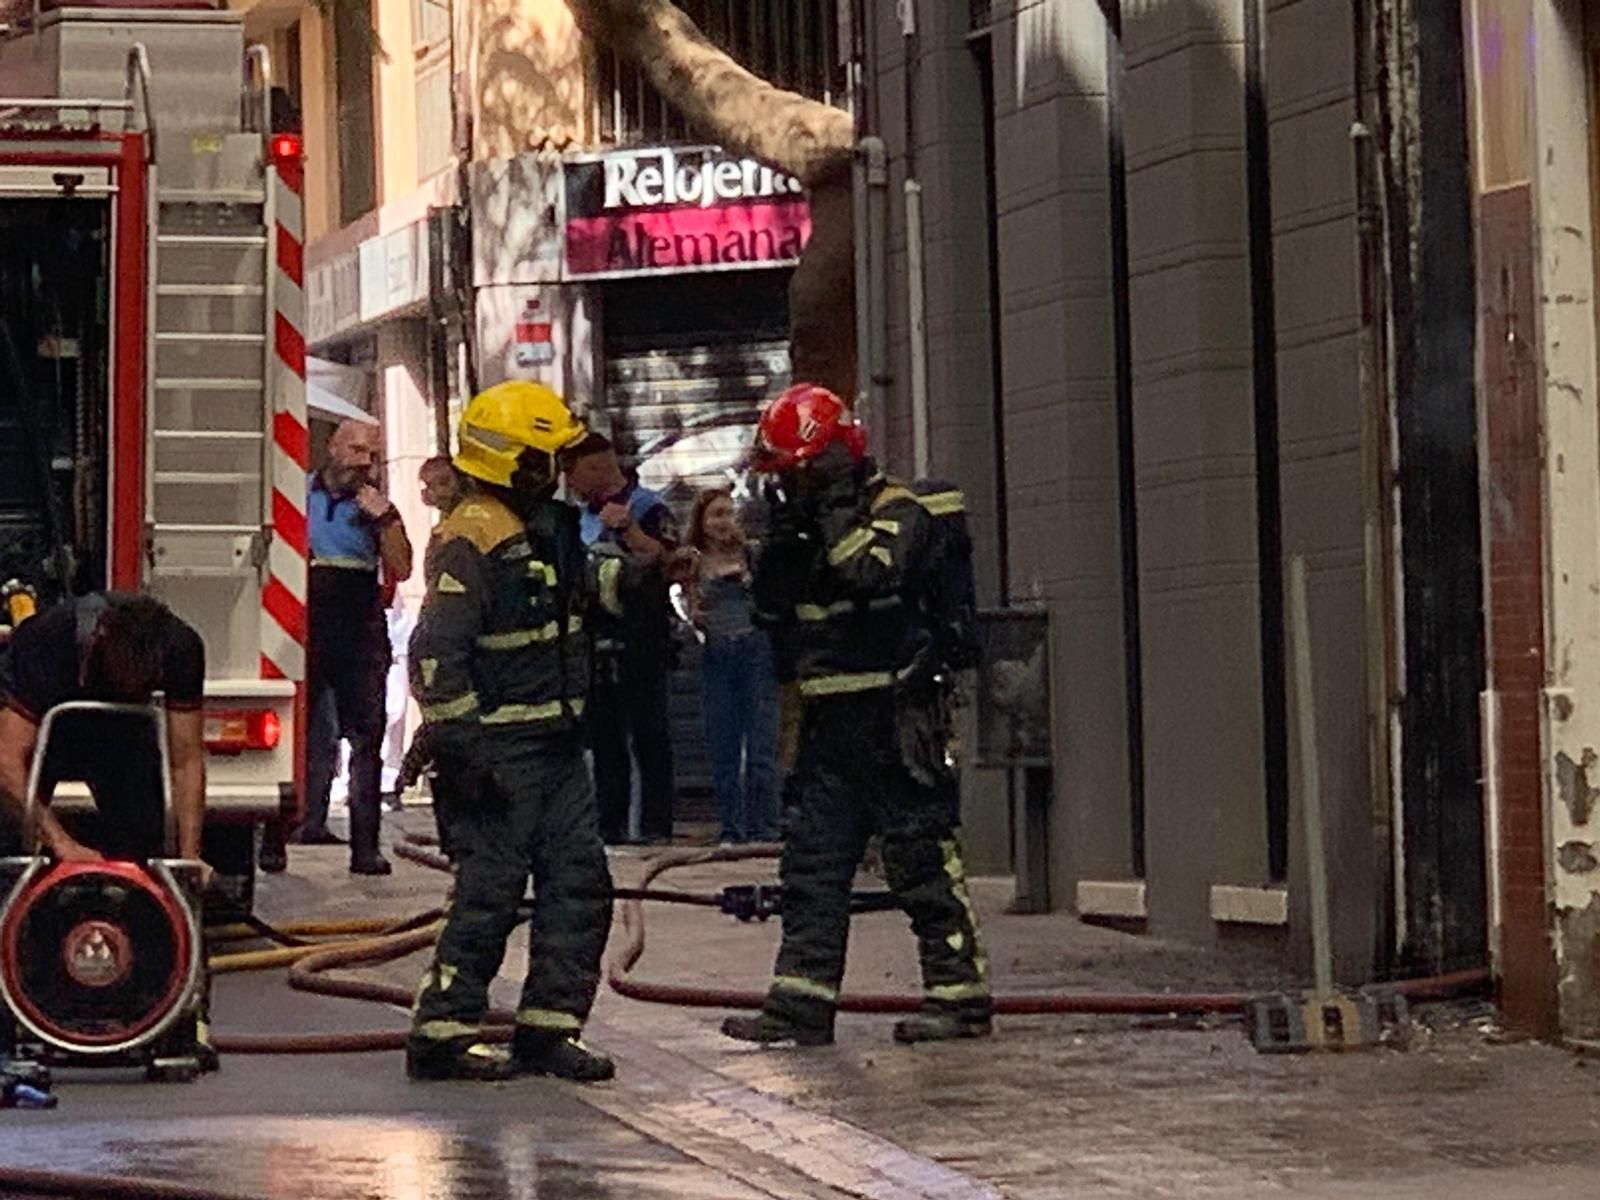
[[738, 675]]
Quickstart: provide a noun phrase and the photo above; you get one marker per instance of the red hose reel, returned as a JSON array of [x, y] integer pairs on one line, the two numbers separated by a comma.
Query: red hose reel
[[98, 960]]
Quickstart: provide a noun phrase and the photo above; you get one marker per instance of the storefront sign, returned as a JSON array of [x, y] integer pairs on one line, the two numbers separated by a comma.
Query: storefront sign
[[381, 276], [394, 271], [663, 210], [534, 336]]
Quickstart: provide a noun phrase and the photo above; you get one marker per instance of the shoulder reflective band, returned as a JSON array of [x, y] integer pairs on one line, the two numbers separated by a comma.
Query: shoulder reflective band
[[527, 714], [840, 685], [943, 504], [850, 545], [884, 525], [451, 710], [890, 494], [517, 639]]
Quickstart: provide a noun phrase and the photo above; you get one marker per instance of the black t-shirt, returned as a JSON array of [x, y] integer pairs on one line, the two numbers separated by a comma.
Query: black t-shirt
[[40, 668]]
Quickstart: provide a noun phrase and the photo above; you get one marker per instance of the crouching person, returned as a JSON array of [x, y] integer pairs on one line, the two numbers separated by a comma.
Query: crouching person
[[122, 649]]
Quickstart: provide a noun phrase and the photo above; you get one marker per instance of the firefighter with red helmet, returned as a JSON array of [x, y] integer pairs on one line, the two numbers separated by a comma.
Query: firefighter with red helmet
[[866, 584]]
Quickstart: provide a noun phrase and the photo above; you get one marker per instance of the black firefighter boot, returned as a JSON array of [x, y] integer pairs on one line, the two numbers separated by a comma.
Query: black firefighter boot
[[473, 1061], [944, 1023], [547, 1052], [365, 819], [768, 1029], [274, 857]]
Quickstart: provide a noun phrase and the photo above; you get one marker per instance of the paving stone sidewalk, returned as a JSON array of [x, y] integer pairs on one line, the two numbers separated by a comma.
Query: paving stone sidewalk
[[1058, 1107]]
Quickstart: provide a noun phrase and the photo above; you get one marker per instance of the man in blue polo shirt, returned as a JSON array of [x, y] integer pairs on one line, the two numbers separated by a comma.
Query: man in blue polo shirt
[[354, 534]]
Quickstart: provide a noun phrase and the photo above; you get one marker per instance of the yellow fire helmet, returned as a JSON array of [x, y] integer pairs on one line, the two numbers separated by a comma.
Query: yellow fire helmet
[[503, 421]]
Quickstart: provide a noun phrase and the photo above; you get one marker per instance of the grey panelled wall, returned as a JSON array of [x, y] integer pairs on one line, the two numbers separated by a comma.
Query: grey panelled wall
[[1056, 321], [950, 122], [1180, 80], [1311, 107], [1194, 444]]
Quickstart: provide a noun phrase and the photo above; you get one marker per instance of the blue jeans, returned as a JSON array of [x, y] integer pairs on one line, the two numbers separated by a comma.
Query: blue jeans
[[741, 708]]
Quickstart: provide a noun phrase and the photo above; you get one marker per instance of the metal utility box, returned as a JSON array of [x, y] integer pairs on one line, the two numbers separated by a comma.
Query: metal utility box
[[1013, 688], [1015, 732]]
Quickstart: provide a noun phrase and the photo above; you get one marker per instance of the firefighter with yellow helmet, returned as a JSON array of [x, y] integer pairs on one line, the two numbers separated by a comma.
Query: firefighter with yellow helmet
[[499, 665]]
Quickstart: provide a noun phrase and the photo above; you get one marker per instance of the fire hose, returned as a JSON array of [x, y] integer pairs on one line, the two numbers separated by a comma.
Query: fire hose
[[310, 968], [311, 962]]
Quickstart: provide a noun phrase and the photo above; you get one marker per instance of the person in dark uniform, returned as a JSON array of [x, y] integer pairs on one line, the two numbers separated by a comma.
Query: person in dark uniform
[[114, 648], [356, 537], [119, 648], [629, 717], [499, 664], [869, 601]]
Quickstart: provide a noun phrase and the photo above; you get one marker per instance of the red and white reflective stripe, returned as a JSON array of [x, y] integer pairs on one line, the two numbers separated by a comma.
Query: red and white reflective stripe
[[283, 600]]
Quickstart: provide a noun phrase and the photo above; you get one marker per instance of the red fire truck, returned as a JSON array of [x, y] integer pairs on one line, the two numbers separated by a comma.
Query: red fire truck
[[152, 399]]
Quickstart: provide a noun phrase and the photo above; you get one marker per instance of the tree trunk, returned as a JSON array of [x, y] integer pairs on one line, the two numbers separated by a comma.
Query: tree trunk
[[746, 114]]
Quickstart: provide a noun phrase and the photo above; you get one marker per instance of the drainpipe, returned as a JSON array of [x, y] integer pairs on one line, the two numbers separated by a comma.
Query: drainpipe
[[872, 285], [916, 300], [1376, 491]]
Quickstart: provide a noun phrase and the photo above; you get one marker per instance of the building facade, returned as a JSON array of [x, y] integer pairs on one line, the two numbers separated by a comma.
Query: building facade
[[510, 200], [1532, 73], [1192, 316], [1211, 292]]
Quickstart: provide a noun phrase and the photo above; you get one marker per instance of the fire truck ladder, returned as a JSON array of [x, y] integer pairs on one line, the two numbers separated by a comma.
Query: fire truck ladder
[[206, 501]]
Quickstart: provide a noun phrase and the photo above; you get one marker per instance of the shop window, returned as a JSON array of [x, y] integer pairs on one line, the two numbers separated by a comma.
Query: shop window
[[353, 77], [433, 120], [430, 23], [792, 43], [430, 36]]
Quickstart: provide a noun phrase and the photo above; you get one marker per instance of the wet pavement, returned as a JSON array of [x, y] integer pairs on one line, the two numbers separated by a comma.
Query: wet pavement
[[1087, 1108], [348, 1127]]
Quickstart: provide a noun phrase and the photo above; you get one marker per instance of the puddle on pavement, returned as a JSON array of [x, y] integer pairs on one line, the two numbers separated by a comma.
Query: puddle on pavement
[[362, 1159]]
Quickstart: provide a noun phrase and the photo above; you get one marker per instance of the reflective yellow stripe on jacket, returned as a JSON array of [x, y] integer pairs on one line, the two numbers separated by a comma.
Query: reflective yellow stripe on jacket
[[523, 714], [451, 710], [840, 685], [516, 639]]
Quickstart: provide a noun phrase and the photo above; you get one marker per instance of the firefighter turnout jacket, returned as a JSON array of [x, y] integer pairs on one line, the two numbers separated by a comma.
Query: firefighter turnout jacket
[[500, 646], [877, 593]]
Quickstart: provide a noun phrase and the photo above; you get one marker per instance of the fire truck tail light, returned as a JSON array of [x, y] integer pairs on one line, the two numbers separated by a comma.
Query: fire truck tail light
[[236, 732], [286, 147]]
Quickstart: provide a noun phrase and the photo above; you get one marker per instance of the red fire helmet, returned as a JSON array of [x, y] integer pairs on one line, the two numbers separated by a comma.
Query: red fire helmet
[[802, 423]]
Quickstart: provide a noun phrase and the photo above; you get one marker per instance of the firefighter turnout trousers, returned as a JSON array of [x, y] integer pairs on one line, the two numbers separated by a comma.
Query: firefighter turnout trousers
[[849, 783], [528, 812]]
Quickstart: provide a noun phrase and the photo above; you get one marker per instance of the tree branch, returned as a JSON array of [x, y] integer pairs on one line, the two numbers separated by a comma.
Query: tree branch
[[740, 110]]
